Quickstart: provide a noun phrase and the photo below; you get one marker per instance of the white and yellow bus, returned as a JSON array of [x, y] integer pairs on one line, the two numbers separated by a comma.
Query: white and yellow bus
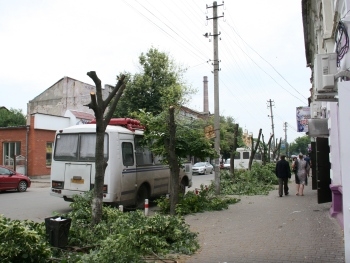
[[133, 173]]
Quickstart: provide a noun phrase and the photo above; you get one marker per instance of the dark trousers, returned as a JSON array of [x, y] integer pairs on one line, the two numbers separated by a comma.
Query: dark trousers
[[283, 184]]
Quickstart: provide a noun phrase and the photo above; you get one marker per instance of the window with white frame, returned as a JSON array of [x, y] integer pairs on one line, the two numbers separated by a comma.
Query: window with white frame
[[49, 153], [10, 149]]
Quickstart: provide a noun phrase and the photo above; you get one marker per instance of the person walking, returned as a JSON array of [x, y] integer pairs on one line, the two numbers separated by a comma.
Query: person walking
[[283, 173], [295, 171], [302, 168]]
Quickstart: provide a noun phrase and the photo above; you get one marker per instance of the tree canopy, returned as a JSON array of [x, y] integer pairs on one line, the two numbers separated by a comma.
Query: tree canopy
[[12, 117], [158, 85], [148, 96], [190, 137], [300, 145], [227, 125]]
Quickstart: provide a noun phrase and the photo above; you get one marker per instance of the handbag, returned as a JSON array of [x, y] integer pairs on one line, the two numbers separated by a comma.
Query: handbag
[[295, 166]]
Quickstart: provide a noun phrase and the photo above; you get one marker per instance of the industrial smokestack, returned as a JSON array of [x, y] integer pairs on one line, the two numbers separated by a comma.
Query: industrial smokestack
[[205, 94]]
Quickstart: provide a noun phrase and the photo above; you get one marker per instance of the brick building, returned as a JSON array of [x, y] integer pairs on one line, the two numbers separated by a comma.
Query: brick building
[[34, 142], [58, 107]]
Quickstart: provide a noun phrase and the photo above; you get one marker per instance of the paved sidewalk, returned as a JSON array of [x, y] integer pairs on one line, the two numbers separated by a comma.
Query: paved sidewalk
[[40, 182], [269, 229]]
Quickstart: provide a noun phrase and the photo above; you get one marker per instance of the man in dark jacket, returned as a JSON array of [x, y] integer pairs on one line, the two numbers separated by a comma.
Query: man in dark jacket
[[283, 173]]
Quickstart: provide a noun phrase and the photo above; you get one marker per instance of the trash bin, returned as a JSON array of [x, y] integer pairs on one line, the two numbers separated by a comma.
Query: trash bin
[[57, 230]]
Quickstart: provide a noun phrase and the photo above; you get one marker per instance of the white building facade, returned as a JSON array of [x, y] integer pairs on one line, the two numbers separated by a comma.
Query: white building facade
[[66, 94], [326, 32]]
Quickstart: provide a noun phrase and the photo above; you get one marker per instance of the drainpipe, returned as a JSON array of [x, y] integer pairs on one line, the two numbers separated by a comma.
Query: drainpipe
[[27, 150]]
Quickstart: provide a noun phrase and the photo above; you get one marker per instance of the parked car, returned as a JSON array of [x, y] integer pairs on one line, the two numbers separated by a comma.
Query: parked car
[[202, 168], [11, 180]]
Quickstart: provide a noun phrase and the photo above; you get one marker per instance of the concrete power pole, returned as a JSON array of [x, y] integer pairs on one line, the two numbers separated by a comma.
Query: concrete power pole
[[216, 93], [285, 125], [272, 126]]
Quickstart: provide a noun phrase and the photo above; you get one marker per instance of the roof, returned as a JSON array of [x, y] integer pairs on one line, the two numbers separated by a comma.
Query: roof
[[194, 112], [82, 115], [14, 127]]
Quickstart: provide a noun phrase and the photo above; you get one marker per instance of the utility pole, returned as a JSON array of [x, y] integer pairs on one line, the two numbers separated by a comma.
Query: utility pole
[[272, 126], [216, 92], [285, 125]]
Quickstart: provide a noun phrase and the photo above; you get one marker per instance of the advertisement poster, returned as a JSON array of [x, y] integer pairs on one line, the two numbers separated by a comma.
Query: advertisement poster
[[303, 116]]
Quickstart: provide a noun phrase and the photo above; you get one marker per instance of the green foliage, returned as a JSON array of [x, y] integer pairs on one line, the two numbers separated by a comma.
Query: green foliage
[[227, 125], [125, 237], [260, 180], [299, 145], [149, 95], [159, 85], [23, 241], [11, 117], [119, 237], [190, 138], [206, 200]]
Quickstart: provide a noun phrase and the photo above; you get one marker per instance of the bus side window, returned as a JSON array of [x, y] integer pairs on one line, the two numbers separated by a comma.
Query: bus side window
[[128, 154], [246, 155], [238, 155], [143, 154]]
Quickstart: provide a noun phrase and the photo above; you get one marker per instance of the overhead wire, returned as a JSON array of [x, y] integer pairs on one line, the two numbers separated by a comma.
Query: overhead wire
[[171, 27], [269, 74], [162, 29], [172, 32], [341, 41], [267, 62], [254, 74]]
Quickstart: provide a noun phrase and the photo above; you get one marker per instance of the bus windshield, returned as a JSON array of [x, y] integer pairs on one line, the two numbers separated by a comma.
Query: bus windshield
[[77, 147]]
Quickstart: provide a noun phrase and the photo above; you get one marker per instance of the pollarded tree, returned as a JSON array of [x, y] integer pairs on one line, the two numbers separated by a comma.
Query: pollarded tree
[[227, 135], [254, 150], [154, 96], [98, 105], [11, 117], [173, 137]]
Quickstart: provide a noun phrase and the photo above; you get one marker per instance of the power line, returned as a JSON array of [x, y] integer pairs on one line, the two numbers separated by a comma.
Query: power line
[[267, 62]]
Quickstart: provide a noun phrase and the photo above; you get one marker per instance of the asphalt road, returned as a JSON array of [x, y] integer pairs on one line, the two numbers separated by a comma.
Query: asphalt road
[[37, 204], [197, 180]]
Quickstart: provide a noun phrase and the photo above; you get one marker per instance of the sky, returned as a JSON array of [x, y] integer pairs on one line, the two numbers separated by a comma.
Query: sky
[[261, 51]]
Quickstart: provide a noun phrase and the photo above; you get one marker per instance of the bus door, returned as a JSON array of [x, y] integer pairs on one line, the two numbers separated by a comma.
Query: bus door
[[74, 158], [128, 180], [245, 159]]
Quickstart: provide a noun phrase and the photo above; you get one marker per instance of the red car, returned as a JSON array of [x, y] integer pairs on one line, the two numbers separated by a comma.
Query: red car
[[10, 180]]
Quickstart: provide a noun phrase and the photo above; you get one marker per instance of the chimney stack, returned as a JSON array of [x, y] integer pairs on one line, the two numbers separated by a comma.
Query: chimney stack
[[205, 94]]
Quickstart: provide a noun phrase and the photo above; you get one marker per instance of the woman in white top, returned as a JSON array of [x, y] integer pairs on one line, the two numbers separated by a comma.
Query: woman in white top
[[302, 168]]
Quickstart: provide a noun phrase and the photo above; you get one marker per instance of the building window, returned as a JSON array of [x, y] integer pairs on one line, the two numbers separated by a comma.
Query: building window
[[10, 150], [49, 146]]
